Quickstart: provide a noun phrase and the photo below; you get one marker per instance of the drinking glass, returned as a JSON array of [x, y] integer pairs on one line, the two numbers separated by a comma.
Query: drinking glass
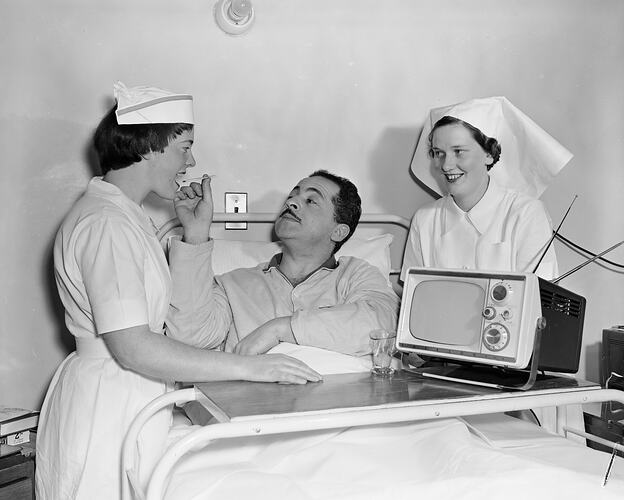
[[383, 347]]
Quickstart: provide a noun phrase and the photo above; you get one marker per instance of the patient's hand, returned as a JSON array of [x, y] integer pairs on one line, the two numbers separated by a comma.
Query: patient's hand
[[266, 336]]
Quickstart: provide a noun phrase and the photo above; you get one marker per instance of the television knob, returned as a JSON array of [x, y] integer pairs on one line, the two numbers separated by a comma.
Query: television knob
[[495, 337], [507, 314], [489, 313], [500, 292]]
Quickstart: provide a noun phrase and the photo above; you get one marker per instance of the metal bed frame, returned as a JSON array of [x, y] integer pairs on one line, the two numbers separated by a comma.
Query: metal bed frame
[[307, 421], [339, 417], [267, 217]]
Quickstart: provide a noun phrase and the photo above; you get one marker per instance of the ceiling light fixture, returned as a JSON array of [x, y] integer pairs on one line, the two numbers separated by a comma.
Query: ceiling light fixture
[[234, 17]]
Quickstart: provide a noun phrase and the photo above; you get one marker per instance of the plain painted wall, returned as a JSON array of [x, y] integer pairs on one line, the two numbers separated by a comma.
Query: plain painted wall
[[337, 84]]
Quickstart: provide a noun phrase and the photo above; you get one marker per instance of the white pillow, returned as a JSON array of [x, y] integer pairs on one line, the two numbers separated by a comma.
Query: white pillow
[[232, 254], [374, 250], [323, 361]]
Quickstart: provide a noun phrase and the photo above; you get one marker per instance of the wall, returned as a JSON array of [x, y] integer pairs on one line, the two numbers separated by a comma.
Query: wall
[[342, 85]]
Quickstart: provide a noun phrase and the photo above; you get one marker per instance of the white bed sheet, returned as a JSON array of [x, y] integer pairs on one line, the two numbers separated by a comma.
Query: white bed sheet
[[479, 457], [410, 460]]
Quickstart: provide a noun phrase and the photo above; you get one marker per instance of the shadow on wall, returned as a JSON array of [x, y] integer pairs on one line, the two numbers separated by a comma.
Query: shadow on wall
[[389, 165], [55, 306], [397, 191]]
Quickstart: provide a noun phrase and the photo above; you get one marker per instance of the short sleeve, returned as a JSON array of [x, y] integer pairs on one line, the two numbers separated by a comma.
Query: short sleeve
[[111, 258]]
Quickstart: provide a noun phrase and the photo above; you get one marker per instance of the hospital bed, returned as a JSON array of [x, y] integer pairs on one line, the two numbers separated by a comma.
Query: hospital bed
[[406, 436]]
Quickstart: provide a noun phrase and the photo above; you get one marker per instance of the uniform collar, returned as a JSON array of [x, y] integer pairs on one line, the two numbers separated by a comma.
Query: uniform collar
[[482, 214], [99, 187]]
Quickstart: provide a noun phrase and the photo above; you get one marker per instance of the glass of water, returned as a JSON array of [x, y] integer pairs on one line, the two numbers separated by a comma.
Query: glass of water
[[382, 344]]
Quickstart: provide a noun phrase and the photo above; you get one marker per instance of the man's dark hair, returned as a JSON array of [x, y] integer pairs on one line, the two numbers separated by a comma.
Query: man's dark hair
[[119, 146], [347, 203]]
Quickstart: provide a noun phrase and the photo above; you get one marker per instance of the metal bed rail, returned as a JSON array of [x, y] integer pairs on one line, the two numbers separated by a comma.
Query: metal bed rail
[[269, 217], [272, 424]]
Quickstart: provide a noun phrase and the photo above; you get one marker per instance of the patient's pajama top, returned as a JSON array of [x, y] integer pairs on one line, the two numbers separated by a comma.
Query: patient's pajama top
[[334, 308], [111, 274]]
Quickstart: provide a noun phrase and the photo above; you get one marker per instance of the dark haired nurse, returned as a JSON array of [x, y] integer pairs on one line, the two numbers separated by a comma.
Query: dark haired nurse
[[490, 162], [116, 288]]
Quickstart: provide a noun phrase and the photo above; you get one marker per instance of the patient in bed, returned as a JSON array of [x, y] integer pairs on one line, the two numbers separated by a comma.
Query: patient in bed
[[305, 299], [303, 295]]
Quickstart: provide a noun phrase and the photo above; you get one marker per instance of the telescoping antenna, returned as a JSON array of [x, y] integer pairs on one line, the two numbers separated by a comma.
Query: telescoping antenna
[[583, 264], [552, 238]]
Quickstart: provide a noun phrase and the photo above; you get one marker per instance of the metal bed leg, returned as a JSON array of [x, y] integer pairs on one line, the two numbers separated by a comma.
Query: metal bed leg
[[561, 414]]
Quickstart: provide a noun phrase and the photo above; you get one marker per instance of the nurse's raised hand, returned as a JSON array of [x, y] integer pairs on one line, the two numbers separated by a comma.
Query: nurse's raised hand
[[194, 207]]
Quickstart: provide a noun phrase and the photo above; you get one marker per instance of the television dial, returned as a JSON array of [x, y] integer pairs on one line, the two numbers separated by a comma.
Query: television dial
[[489, 313], [495, 337], [500, 292]]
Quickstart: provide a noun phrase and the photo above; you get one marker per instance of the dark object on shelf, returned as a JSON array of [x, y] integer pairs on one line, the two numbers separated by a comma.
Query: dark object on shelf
[[612, 431], [612, 371], [17, 477]]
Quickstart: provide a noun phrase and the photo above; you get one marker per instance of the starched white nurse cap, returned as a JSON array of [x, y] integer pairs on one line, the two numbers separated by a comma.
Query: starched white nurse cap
[[530, 157], [140, 105]]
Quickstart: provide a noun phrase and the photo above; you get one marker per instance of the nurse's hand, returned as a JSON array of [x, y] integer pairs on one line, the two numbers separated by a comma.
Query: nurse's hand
[[193, 206], [279, 368]]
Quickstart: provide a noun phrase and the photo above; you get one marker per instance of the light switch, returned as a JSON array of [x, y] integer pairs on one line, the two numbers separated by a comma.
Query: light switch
[[235, 203]]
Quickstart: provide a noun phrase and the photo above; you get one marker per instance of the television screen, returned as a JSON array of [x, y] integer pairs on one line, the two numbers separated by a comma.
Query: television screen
[[448, 311]]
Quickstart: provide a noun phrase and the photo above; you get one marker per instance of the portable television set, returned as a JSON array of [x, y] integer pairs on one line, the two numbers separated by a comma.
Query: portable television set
[[472, 316]]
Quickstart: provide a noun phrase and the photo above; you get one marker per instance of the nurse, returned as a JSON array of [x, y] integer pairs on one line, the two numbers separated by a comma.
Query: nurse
[[490, 162], [116, 288]]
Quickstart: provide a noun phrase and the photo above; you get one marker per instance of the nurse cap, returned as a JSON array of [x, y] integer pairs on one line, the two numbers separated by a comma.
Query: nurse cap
[[530, 157], [140, 105]]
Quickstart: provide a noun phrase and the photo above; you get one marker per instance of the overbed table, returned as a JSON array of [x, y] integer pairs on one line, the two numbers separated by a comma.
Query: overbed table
[[236, 401], [346, 400]]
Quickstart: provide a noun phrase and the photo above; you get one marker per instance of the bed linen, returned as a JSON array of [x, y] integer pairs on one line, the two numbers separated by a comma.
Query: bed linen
[[477, 457], [435, 459]]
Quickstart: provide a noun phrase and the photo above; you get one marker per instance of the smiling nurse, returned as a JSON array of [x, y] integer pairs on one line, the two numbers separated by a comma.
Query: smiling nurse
[[491, 162], [116, 288]]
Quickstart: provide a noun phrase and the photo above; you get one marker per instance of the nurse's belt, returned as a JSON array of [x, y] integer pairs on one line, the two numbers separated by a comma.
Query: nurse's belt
[[530, 157]]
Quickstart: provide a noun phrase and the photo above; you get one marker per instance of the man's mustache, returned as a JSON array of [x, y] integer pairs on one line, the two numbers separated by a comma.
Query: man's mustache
[[288, 211]]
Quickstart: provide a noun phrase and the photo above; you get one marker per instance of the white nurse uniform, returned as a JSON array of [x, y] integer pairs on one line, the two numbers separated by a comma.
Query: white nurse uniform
[[504, 231], [111, 274]]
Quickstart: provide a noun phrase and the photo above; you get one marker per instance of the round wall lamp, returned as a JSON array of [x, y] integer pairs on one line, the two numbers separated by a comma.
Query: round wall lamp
[[234, 17]]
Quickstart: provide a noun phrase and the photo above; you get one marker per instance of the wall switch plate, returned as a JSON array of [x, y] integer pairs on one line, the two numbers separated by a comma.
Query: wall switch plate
[[235, 203]]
